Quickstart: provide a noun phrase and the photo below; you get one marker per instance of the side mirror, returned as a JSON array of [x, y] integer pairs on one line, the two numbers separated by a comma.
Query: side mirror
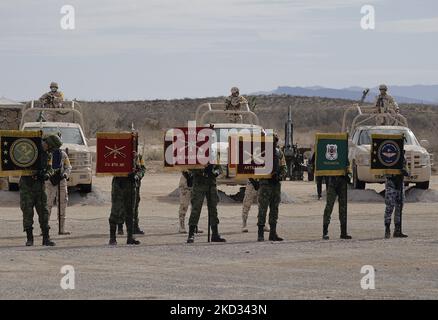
[[425, 143]]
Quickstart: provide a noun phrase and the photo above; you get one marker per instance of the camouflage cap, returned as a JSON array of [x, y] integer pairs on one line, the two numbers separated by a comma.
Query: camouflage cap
[[234, 90], [383, 87], [53, 141], [54, 85]]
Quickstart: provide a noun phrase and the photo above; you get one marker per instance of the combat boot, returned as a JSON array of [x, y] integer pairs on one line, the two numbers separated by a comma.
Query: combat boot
[[46, 239], [261, 234], [112, 240], [215, 237], [344, 234], [191, 237], [398, 232], [29, 234], [130, 239], [273, 236], [325, 232], [387, 231], [120, 229], [137, 230]]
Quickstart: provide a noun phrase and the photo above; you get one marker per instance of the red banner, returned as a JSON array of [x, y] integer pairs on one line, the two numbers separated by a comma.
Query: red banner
[[187, 147], [115, 153]]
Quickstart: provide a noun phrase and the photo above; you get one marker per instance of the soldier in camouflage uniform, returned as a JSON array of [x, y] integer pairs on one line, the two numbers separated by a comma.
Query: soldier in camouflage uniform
[[185, 192], [58, 182], [234, 102], [270, 195], [33, 194], [204, 186], [123, 202], [141, 170], [251, 192], [53, 98], [337, 187], [385, 104], [394, 199]]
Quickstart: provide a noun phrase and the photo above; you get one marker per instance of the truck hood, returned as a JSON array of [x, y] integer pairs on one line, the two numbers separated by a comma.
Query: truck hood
[[74, 147], [366, 148]]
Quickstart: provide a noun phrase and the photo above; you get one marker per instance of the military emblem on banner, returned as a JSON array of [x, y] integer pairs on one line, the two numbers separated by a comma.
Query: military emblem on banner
[[251, 156], [331, 154], [20, 152], [188, 148], [387, 153], [115, 153]]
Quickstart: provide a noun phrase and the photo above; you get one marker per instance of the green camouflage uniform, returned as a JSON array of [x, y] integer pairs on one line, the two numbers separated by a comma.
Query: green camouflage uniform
[[33, 194], [204, 186], [124, 196], [269, 194], [337, 187], [141, 170]]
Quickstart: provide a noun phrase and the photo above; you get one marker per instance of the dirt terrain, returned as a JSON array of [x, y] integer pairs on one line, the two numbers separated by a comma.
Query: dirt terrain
[[165, 267]]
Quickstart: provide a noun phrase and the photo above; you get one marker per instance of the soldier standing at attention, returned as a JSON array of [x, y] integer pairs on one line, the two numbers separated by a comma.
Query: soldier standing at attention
[[251, 192], [53, 98], [58, 182], [337, 187], [33, 194], [123, 202], [234, 102], [394, 198], [204, 186], [270, 195]]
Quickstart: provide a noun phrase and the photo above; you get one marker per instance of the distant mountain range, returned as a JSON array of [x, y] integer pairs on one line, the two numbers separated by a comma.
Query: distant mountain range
[[425, 94]]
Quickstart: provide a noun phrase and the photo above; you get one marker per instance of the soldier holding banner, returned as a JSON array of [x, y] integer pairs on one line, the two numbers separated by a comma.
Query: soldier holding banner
[[270, 195]]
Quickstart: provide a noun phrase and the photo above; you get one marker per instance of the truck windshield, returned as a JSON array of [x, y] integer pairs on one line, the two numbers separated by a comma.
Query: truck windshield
[[365, 135], [68, 135]]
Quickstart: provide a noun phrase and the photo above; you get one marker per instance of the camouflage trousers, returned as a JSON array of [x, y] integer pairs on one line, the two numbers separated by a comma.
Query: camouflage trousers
[[52, 193], [185, 194], [199, 192], [394, 199], [269, 197], [337, 188], [249, 198], [123, 201], [319, 180], [33, 194], [136, 220]]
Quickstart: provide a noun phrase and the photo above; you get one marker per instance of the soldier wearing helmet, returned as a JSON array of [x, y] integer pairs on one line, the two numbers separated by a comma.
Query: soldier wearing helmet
[[385, 103], [53, 98], [234, 102], [56, 186]]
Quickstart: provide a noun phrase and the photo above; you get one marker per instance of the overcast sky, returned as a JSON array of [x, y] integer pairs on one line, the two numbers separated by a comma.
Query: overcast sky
[[153, 49]]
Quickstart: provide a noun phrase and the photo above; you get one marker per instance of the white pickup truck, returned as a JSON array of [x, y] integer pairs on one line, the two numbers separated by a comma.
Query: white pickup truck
[[74, 143]]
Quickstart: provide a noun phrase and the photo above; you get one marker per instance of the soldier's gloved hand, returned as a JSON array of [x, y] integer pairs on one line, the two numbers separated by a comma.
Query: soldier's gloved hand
[[405, 173], [133, 176], [216, 172]]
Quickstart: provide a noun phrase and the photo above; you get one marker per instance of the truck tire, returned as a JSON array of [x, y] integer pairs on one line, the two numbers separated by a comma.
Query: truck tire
[[85, 188], [357, 184], [13, 187], [422, 185]]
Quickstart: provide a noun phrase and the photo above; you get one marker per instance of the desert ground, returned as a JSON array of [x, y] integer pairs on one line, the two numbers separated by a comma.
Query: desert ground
[[164, 266]]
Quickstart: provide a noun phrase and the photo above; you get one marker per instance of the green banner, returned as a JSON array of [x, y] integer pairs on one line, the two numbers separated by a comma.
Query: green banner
[[331, 154]]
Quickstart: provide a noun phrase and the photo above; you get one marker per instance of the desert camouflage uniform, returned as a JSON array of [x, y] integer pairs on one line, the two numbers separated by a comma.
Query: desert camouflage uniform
[[269, 194], [185, 192], [61, 167], [386, 104], [234, 103], [52, 99], [249, 198]]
